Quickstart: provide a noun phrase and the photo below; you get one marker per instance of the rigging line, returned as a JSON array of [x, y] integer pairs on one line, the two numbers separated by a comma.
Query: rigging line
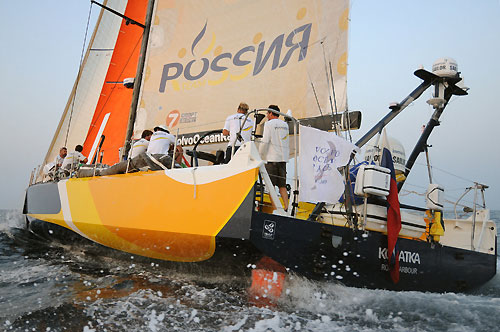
[[416, 186], [346, 97], [320, 41], [461, 189], [408, 192], [328, 84], [405, 192], [79, 73], [317, 101], [462, 204], [333, 87], [348, 123], [454, 175], [115, 83], [326, 71], [451, 174], [335, 103], [348, 130], [441, 170]]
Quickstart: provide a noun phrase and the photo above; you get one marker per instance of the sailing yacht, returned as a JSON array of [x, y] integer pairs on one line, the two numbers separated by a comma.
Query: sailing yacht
[[187, 65]]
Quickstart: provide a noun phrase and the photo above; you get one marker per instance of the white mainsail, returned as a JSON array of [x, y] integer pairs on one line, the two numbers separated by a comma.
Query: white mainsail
[[205, 57], [86, 91]]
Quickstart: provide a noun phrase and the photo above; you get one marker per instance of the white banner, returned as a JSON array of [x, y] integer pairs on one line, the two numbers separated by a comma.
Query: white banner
[[321, 153]]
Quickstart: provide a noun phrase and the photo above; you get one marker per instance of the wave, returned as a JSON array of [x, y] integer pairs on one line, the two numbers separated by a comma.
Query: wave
[[85, 288]]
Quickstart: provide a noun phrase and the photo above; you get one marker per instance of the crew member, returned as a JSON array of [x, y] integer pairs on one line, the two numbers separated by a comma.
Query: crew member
[[58, 161], [74, 158], [179, 154], [141, 145], [160, 140], [275, 149], [233, 125]]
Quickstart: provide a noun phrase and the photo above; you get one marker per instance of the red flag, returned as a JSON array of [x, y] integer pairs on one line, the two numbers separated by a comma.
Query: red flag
[[393, 217]]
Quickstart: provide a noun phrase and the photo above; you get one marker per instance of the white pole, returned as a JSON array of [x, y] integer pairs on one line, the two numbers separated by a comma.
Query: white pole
[[175, 149], [295, 177], [272, 192], [474, 217]]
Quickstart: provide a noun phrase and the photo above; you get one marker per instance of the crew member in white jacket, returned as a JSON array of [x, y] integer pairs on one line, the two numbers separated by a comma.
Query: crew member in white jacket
[[72, 159], [141, 145], [160, 140], [275, 149], [233, 125]]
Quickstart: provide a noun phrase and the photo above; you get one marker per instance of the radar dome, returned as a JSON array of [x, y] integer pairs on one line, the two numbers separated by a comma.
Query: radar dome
[[445, 67], [397, 151]]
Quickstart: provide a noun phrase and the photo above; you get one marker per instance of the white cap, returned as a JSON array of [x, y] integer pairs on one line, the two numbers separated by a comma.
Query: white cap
[[162, 128]]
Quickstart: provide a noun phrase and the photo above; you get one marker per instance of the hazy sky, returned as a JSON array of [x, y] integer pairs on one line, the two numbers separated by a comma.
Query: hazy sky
[[388, 41], [42, 43]]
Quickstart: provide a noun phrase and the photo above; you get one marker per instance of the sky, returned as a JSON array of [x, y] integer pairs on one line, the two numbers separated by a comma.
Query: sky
[[389, 40]]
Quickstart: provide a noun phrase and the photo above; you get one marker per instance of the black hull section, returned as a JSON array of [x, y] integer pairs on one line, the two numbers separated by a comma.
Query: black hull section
[[326, 252]]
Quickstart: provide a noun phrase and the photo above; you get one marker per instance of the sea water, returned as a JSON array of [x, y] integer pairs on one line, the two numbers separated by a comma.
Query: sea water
[[46, 286]]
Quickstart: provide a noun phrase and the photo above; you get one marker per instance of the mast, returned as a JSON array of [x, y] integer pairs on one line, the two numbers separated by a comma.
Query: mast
[[138, 78]]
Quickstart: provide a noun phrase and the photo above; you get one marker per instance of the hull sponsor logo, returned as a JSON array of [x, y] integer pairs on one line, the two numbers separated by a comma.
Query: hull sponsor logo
[[192, 139], [336, 241], [269, 229], [188, 117], [402, 269], [404, 256], [173, 118]]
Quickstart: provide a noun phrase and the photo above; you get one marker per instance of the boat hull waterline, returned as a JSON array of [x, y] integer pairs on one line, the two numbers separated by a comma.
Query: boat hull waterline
[[315, 250], [331, 253], [359, 259], [150, 214]]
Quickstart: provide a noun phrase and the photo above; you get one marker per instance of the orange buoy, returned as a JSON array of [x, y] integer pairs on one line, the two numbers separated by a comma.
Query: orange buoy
[[267, 282]]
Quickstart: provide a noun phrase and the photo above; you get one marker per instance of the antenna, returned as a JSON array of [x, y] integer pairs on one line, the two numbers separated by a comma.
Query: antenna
[[444, 77]]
